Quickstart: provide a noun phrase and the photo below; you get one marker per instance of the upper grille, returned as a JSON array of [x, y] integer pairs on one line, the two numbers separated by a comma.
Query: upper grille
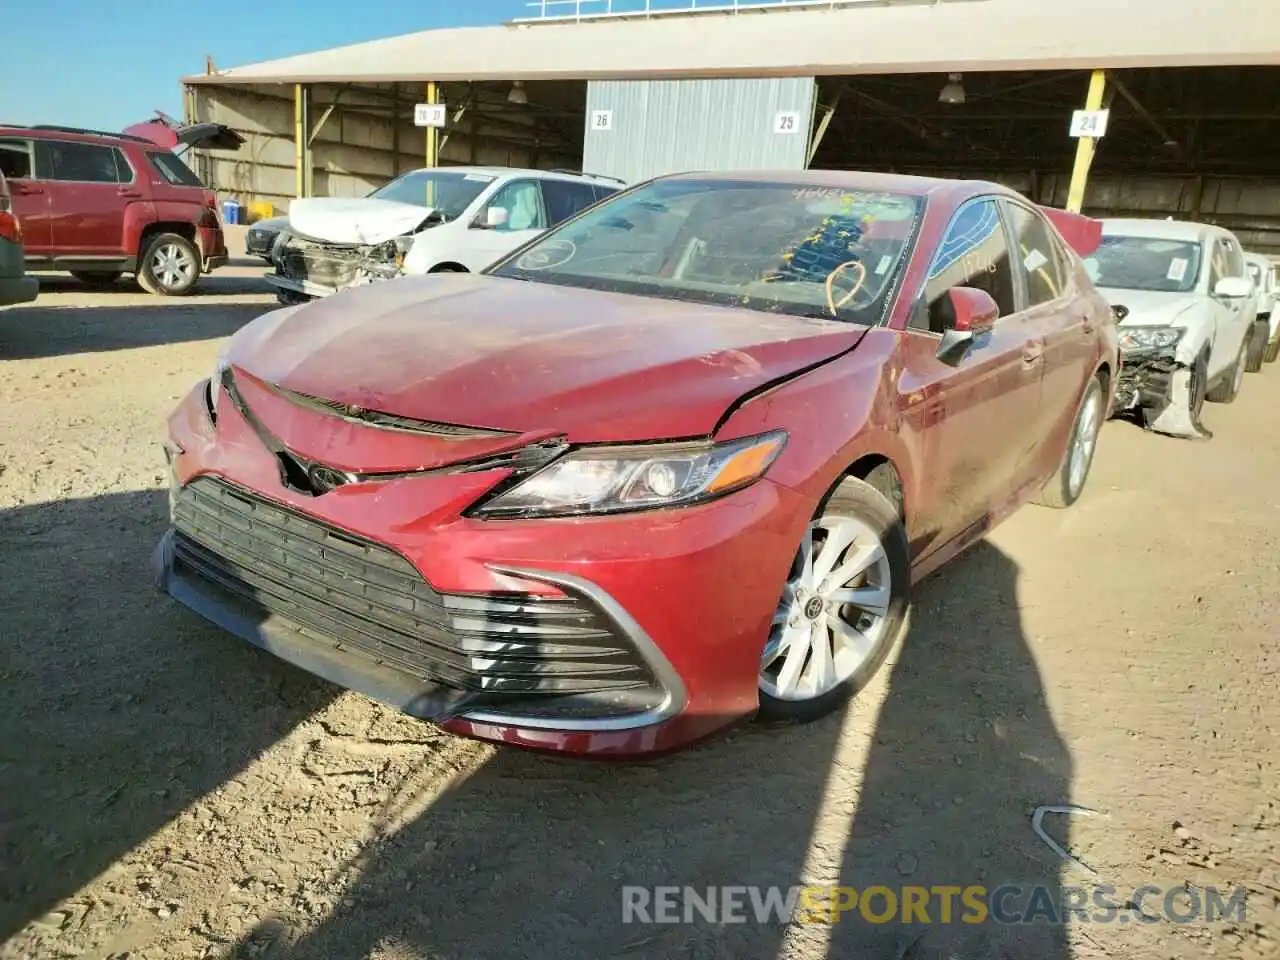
[[369, 600]]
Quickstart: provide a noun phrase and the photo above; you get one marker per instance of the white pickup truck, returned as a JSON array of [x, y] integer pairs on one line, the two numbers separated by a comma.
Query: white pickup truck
[[1187, 306]]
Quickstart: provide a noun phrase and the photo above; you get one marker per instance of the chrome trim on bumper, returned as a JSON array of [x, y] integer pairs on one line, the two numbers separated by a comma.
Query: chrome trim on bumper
[[676, 695]]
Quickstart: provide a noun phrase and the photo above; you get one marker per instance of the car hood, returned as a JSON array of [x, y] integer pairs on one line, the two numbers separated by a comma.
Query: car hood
[[1150, 308], [531, 357], [354, 219]]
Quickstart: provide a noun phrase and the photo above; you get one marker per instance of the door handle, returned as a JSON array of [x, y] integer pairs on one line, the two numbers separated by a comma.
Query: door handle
[[125, 192], [1033, 351]]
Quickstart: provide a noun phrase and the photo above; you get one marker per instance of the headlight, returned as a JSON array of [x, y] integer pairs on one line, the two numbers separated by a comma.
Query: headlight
[[616, 479], [1149, 338], [214, 388]]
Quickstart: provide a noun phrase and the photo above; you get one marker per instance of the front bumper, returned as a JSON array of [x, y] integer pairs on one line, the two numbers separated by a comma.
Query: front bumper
[[15, 290], [674, 606], [1155, 383]]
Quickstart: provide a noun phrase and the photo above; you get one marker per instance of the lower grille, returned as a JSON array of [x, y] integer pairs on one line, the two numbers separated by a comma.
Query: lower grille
[[366, 599], [337, 268]]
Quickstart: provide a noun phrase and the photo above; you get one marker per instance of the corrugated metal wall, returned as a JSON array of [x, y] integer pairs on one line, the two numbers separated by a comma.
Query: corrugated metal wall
[[668, 126]]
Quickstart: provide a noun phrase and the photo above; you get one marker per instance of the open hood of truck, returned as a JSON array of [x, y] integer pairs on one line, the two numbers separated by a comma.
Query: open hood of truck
[[355, 220]]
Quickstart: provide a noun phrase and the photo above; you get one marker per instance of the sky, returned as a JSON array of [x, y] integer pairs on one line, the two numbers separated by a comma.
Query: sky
[[106, 64]]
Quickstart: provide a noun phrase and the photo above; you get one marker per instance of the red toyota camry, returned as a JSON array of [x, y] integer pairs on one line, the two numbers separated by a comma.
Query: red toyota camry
[[673, 463]]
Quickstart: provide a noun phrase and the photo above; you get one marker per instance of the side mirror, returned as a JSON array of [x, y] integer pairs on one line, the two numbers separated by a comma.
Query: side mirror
[[973, 313], [1233, 288], [494, 217]]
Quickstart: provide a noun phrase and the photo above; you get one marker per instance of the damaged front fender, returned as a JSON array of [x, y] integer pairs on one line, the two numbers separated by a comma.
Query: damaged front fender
[[1166, 389]]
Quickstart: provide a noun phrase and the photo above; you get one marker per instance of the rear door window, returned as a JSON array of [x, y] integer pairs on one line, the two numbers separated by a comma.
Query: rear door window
[[1039, 258], [81, 162], [15, 159], [173, 170], [565, 198]]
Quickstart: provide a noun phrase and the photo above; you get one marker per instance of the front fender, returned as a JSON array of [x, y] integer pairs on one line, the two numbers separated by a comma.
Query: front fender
[[835, 415]]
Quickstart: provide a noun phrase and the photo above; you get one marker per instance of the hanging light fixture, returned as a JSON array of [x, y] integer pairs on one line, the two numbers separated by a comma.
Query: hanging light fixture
[[517, 94], [953, 92]]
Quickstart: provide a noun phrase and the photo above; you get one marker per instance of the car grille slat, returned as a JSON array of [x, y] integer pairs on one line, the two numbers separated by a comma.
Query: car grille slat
[[365, 598]]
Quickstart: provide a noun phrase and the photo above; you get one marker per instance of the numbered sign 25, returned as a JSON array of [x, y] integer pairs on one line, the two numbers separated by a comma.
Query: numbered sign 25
[[786, 121]]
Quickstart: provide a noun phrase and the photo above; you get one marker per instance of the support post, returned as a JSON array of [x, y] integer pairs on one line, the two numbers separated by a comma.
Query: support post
[[1087, 146], [433, 135], [302, 175]]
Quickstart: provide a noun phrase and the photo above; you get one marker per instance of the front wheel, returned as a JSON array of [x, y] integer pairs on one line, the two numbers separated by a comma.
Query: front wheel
[[841, 609], [1257, 346], [1273, 351], [1066, 485], [1228, 388], [170, 266]]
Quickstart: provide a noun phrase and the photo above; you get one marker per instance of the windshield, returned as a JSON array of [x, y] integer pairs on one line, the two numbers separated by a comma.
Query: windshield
[[448, 193], [1145, 263], [777, 247]]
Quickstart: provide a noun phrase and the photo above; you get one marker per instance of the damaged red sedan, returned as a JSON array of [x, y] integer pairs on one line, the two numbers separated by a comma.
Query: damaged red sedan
[[673, 463]]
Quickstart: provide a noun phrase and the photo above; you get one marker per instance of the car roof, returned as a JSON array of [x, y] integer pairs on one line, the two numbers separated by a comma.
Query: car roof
[[77, 134], [1159, 229], [854, 180], [496, 172]]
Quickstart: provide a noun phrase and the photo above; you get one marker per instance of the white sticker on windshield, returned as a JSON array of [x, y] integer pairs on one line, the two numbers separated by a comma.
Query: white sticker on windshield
[[477, 178], [1177, 269], [883, 266], [1034, 261]]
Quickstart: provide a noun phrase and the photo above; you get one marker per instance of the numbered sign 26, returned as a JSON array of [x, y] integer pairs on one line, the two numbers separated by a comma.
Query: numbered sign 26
[[601, 119]]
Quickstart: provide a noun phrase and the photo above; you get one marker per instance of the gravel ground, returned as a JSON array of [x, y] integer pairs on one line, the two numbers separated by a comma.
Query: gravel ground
[[167, 791]]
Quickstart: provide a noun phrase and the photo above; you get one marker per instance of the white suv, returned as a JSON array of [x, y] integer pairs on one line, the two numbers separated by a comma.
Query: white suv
[[458, 219]]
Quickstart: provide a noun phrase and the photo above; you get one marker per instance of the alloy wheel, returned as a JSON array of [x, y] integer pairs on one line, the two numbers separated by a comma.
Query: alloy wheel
[[172, 265], [833, 612], [1085, 441]]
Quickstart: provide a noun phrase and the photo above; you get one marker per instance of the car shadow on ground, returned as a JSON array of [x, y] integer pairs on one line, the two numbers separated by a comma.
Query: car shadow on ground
[[529, 856], [120, 709], [213, 285], [51, 331]]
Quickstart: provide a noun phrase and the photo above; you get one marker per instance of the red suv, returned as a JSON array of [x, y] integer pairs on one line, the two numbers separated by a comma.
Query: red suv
[[104, 204]]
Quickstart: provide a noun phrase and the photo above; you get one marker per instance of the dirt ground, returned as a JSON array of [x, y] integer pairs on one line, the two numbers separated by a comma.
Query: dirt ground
[[168, 792]]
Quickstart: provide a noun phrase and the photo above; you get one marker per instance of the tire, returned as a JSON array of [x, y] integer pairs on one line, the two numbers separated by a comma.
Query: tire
[[97, 278], [1228, 388], [1068, 481], [170, 267], [1257, 347], [1272, 352], [854, 517]]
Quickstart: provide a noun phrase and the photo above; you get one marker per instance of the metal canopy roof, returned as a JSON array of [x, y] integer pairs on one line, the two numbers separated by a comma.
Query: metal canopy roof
[[920, 37]]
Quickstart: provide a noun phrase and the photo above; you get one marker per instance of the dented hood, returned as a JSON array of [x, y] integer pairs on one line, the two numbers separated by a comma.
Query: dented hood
[[530, 357], [1152, 308], [359, 220]]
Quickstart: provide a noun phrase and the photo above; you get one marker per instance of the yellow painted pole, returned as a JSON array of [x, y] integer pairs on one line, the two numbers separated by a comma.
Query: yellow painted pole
[[301, 136], [433, 134], [1087, 146]]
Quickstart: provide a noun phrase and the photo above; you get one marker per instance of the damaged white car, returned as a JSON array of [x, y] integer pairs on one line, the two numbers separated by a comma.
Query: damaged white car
[[1186, 306], [458, 219]]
